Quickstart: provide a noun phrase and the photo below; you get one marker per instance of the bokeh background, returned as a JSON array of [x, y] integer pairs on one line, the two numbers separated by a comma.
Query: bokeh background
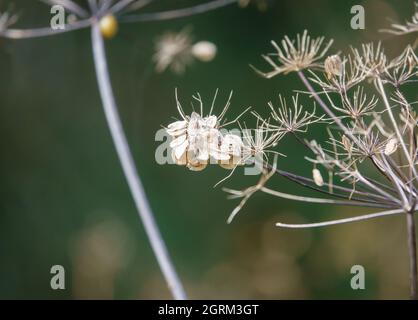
[[64, 199]]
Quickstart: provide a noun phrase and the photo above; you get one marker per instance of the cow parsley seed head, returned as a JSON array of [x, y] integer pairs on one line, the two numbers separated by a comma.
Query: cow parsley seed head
[[260, 142], [177, 51], [173, 50], [349, 75], [403, 69], [359, 105], [372, 59], [197, 138], [292, 119], [296, 55]]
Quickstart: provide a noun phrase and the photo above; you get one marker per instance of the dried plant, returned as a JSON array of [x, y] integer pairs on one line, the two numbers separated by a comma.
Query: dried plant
[[176, 50], [103, 17], [364, 130]]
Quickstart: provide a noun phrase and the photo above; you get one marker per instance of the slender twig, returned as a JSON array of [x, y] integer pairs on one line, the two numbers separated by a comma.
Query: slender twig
[[18, 34], [322, 200], [69, 5], [128, 166], [309, 183], [179, 13], [340, 221], [412, 247]]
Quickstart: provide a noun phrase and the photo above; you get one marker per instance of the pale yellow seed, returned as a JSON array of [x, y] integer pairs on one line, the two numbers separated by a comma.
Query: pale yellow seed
[[108, 26]]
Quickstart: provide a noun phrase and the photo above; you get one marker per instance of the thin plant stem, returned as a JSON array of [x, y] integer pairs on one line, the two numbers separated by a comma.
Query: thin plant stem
[[178, 13], [128, 166], [18, 34], [412, 247], [321, 200], [71, 6], [340, 221]]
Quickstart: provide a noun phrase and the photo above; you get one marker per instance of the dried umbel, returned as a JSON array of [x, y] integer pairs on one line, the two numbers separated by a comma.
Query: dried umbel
[[197, 139], [371, 153], [173, 50], [296, 55], [176, 50], [378, 130]]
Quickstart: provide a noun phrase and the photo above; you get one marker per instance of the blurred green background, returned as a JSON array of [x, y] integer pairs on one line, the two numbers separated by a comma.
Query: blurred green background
[[64, 199]]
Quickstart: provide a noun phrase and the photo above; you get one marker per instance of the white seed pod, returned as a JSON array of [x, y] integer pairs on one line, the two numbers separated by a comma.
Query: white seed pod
[[333, 66], [177, 128], [181, 160], [232, 146], [391, 146], [204, 51], [179, 147], [317, 177]]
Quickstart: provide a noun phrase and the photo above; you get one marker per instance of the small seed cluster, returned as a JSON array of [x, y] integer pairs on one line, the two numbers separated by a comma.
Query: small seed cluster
[[197, 140]]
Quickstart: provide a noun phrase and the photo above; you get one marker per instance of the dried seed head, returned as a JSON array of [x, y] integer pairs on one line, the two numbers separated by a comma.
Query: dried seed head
[[372, 60], [292, 119], [296, 55], [197, 138], [350, 75], [173, 50], [333, 66]]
